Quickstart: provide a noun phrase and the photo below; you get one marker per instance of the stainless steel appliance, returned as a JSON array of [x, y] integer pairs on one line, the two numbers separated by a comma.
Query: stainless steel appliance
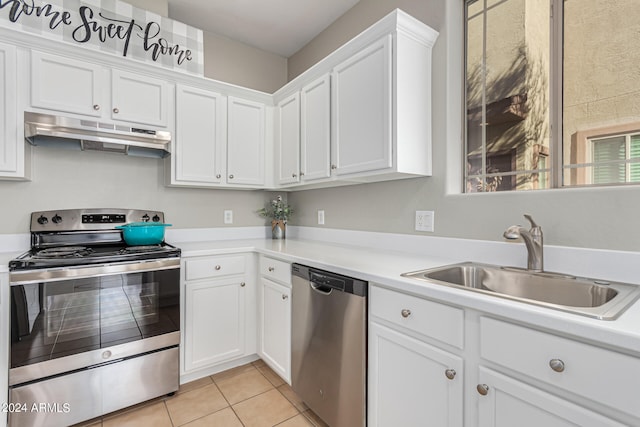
[[329, 345], [95, 324], [82, 134]]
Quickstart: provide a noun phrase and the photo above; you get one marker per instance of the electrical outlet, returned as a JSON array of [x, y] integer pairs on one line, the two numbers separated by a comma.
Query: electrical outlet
[[424, 220], [228, 217], [321, 217]]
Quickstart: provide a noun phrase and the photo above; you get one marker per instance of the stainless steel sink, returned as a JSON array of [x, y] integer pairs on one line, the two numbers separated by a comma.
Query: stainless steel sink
[[588, 297]]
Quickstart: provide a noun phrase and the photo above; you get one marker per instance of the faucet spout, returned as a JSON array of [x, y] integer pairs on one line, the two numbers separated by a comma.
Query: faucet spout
[[533, 241]]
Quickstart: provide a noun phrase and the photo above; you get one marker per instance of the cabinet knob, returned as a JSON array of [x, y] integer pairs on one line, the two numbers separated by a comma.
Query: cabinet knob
[[116, 111], [242, 284], [450, 373], [271, 268], [218, 176], [231, 176], [96, 107], [405, 312], [333, 167], [293, 175], [483, 389], [217, 267], [285, 296], [557, 365], [301, 173]]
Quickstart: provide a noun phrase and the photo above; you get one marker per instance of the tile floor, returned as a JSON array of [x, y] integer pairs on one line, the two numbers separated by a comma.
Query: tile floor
[[249, 395]]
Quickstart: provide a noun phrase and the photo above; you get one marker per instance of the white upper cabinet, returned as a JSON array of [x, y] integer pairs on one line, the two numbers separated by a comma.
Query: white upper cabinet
[[11, 147], [139, 99], [288, 126], [200, 137], [245, 142], [68, 85], [365, 110], [362, 110], [72, 86], [315, 134]]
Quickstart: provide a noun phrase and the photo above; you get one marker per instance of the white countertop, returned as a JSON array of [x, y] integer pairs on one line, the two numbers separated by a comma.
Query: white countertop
[[385, 267]]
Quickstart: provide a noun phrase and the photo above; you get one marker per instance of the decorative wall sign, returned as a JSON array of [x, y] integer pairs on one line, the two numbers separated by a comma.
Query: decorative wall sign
[[110, 26]]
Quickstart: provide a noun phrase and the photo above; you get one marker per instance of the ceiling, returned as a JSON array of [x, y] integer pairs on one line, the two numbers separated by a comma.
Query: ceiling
[[278, 26]]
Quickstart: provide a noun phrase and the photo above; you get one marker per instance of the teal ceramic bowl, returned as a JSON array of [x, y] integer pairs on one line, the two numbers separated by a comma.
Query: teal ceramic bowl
[[143, 233]]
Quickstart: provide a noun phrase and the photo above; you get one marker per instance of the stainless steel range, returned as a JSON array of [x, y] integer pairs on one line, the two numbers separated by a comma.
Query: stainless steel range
[[95, 324]]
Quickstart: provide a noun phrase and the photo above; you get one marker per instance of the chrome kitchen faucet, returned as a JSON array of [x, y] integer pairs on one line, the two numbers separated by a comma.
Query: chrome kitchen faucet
[[532, 239]]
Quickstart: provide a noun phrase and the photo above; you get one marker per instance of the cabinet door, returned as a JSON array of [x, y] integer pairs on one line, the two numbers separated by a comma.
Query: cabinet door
[[275, 327], [289, 140], [201, 130], [315, 134], [68, 85], [409, 382], [509, 403], [361, 113], [8, 119], [245, 142], [214, 322], [139, 99]]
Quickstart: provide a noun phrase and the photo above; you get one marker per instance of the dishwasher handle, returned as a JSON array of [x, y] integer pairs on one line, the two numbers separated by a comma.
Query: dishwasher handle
[[326, 282], [321, 289]]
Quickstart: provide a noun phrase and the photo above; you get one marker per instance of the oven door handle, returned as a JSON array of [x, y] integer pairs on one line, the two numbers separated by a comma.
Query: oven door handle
[[23, 277]]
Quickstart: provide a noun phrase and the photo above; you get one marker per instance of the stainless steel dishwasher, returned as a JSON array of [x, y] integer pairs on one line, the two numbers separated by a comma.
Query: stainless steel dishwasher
[[329, 345]]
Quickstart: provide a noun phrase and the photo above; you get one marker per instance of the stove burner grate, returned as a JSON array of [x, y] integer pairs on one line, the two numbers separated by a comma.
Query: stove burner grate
[[64, 252]]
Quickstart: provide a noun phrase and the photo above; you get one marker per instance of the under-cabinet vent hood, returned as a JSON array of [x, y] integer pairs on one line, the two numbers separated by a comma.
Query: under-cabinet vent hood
[[81, 134]]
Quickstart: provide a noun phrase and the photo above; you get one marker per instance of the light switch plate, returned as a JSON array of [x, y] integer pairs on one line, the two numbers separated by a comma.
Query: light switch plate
[[228, 217], [320, 217], [424, 220]]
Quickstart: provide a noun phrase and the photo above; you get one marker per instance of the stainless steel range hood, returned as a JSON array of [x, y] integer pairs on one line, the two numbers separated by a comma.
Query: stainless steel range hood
[[80, 134]]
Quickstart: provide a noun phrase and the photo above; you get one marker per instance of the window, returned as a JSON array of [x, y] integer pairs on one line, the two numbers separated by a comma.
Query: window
[[552, 93]]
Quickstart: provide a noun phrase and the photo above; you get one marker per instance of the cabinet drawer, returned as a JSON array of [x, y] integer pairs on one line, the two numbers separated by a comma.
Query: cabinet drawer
[[218, 266], [432, 319], [605, 376], [275, 269]]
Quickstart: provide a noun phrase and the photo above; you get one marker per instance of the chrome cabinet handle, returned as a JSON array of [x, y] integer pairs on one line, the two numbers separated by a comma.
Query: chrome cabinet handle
[[557, 365], [96, 107], [116, 111], [285, 296], [242, 284], [483, 389], [271, 268], [217, 267], [230, 176], [450, 373], [405, 313]]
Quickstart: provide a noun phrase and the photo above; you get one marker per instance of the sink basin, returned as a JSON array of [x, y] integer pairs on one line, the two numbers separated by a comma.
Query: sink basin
[[589, 297]]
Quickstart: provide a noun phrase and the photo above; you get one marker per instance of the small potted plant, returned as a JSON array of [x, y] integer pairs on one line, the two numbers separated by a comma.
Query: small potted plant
[[279, 213]]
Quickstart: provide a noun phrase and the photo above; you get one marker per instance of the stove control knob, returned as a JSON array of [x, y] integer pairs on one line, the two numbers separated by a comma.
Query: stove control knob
[[145, 218], [155, 218], [56, 219], [42, 220]]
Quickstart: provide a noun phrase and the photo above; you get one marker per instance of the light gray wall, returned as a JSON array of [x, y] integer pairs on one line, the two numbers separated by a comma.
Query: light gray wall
[[243, 65], [597, 218], [66, 179]]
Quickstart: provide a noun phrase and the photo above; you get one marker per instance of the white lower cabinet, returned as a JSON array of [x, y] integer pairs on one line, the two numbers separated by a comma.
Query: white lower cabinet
[[412, 383], [514, 373], [217, 299], [274, 302], [507, 402]]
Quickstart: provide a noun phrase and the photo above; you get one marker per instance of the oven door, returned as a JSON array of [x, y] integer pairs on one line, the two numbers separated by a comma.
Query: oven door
[[67, 319]]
